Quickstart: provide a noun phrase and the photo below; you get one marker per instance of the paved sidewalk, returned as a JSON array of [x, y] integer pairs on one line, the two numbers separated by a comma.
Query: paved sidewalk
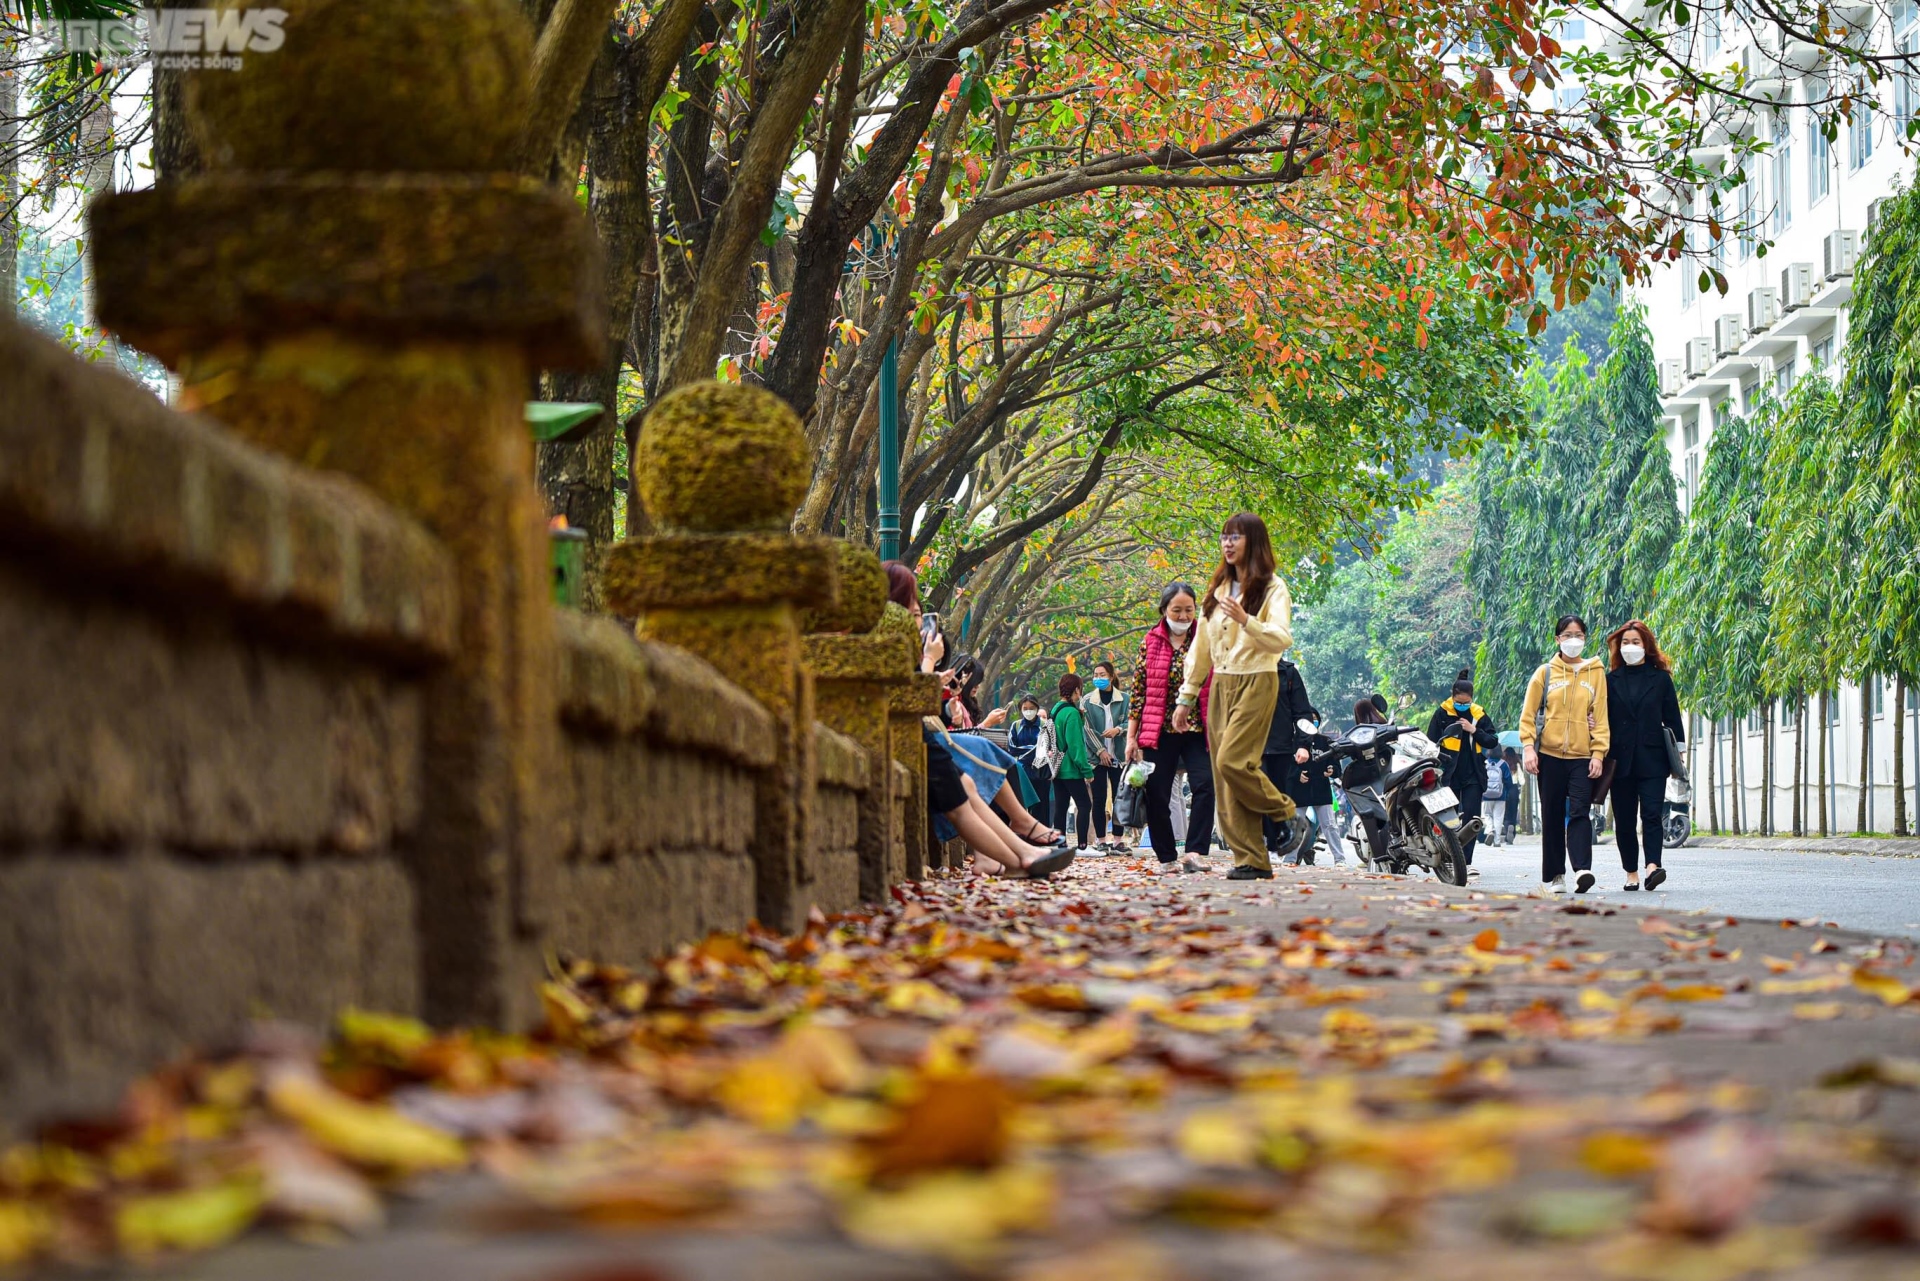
[[1123, 1077], [1893, 846]]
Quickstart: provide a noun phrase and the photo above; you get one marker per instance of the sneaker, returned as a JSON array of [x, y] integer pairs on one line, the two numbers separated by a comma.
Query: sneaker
[[1250, 874], [1190, 864], [1084, 852], [1473, 874], [1583, 883], [1558, 885], [1290, 862], [1167, 869]]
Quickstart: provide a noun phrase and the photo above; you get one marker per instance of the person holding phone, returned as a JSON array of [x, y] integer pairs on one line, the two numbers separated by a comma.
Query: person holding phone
[[1465, 733], [1643, 710]]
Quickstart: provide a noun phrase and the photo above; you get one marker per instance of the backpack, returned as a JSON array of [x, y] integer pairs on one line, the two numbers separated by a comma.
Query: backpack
[[1046, 752], [1496, 781]]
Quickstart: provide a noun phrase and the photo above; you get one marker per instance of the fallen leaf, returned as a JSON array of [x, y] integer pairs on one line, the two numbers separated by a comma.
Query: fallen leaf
[[952, 1121], [1890, 990], [199, 1219], [1487, 941], [955, 1215], [366, 1134]]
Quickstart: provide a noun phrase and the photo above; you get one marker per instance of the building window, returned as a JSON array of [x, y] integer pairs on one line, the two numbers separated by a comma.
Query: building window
[[1783, 377], [1819, 162], [1749, 217], [1782, 174], [1573, 29], [1877, 690], [1755, 721], [1833, 709], [1822, 353], [1691, 432], [1786, 714], [1711, 15], [1693, 475], [1859, 137]]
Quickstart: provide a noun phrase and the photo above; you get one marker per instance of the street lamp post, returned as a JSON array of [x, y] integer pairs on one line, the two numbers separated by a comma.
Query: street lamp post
[[890, 452]]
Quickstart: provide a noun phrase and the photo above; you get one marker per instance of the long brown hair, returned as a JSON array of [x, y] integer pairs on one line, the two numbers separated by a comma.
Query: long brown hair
[[1256, 559], [1655, 655]]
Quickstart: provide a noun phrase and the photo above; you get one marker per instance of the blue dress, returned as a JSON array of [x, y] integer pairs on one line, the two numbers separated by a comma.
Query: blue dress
[[985, 762]]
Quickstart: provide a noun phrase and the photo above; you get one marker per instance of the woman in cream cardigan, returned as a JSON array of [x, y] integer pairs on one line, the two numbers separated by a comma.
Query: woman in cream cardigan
[[1246, 624]]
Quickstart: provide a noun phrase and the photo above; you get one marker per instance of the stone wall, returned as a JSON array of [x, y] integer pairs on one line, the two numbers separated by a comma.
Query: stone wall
[[211, 764]]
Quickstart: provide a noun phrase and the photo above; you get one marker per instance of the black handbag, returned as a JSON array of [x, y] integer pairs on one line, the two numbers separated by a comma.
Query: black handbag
[[1676, 759]]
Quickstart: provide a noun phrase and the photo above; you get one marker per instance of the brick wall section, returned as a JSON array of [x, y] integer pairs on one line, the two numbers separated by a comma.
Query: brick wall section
[[661, 753], [842, 776], [211, 758]]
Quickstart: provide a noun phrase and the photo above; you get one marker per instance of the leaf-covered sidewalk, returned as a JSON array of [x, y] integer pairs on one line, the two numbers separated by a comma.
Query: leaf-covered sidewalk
[[1114, 1076]]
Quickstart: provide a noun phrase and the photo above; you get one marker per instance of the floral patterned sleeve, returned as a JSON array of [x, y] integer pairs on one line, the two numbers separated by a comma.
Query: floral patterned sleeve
[[1138, 699]]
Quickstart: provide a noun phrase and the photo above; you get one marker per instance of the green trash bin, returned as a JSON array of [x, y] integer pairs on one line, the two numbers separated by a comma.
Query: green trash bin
[[569, 566]]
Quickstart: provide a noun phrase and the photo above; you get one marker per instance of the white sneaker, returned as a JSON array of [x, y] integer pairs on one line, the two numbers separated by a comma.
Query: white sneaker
[[1583, 883], [1166, 869], [1473, 874], [1558, 885], [1190, 863], [1084, 852]]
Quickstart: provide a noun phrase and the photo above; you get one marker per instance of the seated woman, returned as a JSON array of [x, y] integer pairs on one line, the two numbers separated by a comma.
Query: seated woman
[[993, 771], [953, 798]]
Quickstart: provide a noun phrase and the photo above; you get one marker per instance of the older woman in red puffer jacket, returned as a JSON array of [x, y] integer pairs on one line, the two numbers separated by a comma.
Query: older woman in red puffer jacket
[[1151, 737]]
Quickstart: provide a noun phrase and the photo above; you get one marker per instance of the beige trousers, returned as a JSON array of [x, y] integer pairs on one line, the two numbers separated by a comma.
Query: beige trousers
[[1239, 714]]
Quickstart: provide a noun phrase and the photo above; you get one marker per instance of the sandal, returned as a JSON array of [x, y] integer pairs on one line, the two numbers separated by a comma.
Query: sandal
[[1035, 835], [1046, 865]]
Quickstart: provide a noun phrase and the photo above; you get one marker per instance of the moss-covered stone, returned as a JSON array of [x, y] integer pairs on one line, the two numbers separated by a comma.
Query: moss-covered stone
[[870, 658], [863, 594], [696, 571], [715, 457], [897, 620], [423, 86]]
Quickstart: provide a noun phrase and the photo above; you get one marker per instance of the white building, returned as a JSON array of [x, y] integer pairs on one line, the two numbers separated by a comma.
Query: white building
[[1782, 315]]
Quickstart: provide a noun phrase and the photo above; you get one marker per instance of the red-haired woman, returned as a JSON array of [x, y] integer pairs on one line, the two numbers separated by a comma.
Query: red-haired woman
[[1641, 707], [1246, 624]]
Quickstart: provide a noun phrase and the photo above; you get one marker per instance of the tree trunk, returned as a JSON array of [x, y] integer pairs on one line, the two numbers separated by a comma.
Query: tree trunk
[[1800, 765], [1713, 775], [1899, 756], [1738, 801], [97, 172], [10, 220], [1826, 732], [1866, 756], [176, 152], [1766, 769]]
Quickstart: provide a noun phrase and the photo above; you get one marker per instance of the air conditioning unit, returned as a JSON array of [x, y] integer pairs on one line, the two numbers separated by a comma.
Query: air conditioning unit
[[1796, 286], [1874, 209], [1763, 309], [1671, 377], [1699, 356], [1727, 334], [1838, 252]]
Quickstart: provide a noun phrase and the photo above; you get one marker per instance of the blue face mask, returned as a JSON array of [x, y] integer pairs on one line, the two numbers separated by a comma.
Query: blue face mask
[[1459, 706], [1100, 682]]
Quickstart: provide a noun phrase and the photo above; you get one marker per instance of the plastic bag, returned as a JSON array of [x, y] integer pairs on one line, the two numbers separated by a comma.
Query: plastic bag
[[1137, 774]]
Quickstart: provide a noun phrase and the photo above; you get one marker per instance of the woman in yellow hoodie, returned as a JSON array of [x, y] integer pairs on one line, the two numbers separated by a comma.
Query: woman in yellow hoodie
[[1246, 624], [1563, 739]]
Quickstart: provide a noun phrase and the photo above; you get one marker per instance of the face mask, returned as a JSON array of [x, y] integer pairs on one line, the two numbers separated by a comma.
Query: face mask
[[1634, 654], [1459, 706], [1100, 682], [1179, 629], [1029, 714], [1573, 646]]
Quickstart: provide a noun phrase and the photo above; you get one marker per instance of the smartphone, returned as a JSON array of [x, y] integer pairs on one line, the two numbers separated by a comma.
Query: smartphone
[[929, 627]]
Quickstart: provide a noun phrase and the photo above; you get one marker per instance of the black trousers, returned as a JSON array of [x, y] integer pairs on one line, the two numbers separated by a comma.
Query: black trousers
[[1042, 807], [1566, 821], [1177, 751], [1472, 799], [1641, 801], [1074, 790], [1106, 790]]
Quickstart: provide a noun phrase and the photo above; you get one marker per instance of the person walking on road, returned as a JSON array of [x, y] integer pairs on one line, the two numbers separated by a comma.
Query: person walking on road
[[1246, 624], [1106, 712], [1285, 762], [1465, 734], [1643, 708], [1516, 784], [1075, 750], [1564, 737], [1150, 735]]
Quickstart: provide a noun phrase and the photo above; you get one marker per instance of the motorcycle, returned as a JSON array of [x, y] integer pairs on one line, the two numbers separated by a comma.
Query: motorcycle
[[1676, 813], [1392, 781]]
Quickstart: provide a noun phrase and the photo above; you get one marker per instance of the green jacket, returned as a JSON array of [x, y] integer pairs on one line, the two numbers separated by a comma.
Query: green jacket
[[1070, 734]]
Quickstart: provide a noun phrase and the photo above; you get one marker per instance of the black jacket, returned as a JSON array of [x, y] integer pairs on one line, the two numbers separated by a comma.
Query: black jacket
[[1284, 739], [1468, 768], [1639, 701]]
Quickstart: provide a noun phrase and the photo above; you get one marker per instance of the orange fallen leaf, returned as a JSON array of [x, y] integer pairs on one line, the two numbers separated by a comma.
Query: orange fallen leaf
[[958, 1122], [1487, 941]]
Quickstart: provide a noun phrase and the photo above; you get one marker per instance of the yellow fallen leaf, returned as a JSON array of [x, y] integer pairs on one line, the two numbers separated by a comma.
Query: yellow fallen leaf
[[196, 1220], [1594, 998], [954, 1215], [1219, 1137], [389, 1035], [770, 1091], [1694, 992], [1776, 964], [829, 1054], [1206, 1024], [1753, 1251], [923, 1000], [364, 1133], [1817, 1011], [1620, 1154], [24, 1229], [1889, 989]]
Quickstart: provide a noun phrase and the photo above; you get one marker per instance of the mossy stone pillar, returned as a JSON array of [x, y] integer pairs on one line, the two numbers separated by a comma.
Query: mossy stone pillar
[[854, 674], [721, 470], [360, 283]]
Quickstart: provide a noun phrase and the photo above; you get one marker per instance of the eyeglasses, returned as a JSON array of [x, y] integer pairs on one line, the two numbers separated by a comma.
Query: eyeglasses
[[1233, 538]]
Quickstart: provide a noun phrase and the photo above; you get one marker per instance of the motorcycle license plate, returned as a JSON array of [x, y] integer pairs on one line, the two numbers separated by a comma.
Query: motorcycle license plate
[[1440, 798]]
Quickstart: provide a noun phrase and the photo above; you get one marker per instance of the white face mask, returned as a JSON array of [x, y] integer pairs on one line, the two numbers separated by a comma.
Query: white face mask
[[1029, 714], [1179, 629], [1633, 654], [1573, 646]]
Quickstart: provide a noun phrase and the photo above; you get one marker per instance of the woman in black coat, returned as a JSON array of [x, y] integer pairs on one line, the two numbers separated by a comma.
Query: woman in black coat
[[1641, 705], [1284, 761]]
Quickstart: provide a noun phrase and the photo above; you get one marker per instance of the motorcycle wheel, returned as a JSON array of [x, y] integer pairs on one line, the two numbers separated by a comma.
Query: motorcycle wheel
[[1449, 860], [1679, 830]]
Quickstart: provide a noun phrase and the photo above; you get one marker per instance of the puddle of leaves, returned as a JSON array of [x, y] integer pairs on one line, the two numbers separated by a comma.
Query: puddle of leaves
[[984, 1067]]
